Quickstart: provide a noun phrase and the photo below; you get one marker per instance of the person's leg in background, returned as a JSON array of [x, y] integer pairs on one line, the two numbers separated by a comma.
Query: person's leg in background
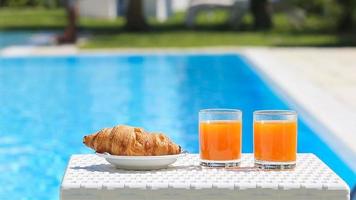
[[70, 32]]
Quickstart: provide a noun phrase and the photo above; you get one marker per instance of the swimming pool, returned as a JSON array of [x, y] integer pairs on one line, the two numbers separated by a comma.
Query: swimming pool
[[27, 38], [47, 104]]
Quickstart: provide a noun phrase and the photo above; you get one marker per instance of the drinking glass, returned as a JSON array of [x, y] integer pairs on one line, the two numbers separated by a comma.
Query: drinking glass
[[275, 139], [220, 137]]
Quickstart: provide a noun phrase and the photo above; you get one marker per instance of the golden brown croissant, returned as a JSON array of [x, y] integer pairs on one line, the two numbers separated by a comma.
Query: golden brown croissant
[[130, 141]]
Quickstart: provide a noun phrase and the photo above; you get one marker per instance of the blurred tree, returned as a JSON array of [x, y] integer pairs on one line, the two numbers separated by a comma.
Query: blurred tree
[[135, 19], [32, 3], [262, 14], [17, 3], [346, 21], [314, 6], [343, 12], [70, 32]]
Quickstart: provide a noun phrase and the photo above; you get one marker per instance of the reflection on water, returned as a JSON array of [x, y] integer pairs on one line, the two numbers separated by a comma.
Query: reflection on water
[[47, 105]]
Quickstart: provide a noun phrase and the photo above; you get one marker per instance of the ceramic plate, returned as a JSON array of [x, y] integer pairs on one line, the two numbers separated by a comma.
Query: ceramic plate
[[140, 162]]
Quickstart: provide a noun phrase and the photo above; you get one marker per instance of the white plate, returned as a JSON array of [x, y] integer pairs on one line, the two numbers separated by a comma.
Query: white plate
[[140, 162]]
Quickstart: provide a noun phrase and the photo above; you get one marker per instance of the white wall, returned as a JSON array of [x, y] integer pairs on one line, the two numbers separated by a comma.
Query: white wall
[[149, 8], [180, 5], [161, 9], [98, 8]]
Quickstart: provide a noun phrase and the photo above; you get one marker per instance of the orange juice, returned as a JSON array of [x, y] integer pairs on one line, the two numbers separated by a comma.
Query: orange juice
[[275, 141], [220, 140]]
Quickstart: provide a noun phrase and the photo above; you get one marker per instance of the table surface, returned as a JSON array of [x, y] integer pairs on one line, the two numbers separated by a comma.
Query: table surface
[[91, 177]]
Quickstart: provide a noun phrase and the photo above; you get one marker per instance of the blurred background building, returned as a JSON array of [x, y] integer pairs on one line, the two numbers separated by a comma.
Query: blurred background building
[[111, 9]]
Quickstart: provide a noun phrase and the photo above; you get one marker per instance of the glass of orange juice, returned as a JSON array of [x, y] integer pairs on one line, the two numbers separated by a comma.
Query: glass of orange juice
[[220, 137], [275, 139]]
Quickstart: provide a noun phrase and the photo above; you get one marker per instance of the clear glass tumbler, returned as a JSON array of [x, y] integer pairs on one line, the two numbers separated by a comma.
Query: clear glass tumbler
[[220, 137], [275, 139]]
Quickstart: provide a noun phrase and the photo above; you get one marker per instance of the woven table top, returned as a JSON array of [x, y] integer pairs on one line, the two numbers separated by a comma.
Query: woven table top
[[91, 177]]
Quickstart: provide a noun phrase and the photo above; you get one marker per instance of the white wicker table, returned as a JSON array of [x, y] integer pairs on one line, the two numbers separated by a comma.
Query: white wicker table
[[91, 177]]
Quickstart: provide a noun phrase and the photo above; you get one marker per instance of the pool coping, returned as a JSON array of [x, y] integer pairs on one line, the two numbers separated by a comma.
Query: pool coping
[[333, 138], [249, 53], [72, 50]]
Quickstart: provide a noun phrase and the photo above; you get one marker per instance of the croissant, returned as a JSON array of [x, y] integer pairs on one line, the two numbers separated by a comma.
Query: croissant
[[131, 141]]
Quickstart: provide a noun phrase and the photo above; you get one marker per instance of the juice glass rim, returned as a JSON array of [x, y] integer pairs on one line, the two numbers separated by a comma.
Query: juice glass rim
[[275, 112], [219, 110]]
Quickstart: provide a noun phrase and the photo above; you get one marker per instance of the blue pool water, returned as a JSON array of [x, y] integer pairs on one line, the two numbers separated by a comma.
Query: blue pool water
[[47, 104]]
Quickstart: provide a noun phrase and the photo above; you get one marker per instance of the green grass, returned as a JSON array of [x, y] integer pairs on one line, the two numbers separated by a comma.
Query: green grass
[[202, 39], [211, 30], [44, 19], [31, 18]]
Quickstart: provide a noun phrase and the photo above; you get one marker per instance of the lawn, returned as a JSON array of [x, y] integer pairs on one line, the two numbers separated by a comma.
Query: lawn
[[211, 30]]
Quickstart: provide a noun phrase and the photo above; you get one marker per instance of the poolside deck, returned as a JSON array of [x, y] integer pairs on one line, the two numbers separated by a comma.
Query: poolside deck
[[321, 81]]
